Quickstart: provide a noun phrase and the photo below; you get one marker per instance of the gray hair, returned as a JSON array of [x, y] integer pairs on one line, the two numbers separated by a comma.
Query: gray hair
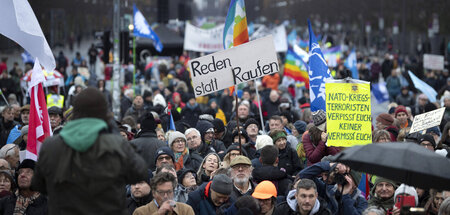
[[373, 209], [445, 207], [7, 150], [189, 130]]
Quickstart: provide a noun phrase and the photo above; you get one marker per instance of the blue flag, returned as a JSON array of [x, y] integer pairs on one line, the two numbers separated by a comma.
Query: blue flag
[[380, 92], [424, 87], [171, 123], [350, 63], [292, 37], [13, 134], [143, 29], [318, 73]]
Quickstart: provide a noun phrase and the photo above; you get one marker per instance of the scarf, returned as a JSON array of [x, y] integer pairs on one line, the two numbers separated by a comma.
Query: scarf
[[179, 159], [22, 203]]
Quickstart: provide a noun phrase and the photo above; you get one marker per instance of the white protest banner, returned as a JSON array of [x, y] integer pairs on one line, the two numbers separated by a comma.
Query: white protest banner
[[427, 120], [203, 40], [233, 66], [433, 62], [279, 36]]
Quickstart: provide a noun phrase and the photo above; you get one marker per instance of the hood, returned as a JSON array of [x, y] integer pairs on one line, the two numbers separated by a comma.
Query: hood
[[203, 126], [290, 199], [270, 173], [81, 134]]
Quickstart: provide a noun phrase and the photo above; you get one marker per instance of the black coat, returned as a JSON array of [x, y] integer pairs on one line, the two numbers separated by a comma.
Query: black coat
[[133, 203], [146, 144], [288, 159], [38, 207], [274, 174], [190, 116], [125, 104]]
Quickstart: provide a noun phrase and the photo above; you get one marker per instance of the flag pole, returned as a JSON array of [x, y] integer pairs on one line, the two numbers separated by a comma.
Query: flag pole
[[237, 119], [259, 108], [134, 65], [3, 96]]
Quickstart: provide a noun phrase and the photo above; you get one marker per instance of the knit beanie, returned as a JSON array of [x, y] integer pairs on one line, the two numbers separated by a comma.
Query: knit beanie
[[300, 126], [320, 119], [381, 179], [249, 122], [429, 138], [164, 151], [399, 109], [356, 176], [182, 172], [222, 184], [385, 119], [275, 135], [405, 189], [90, 103], [263, 140], [147, 122], [243, 134], [173, 136], [218, 125]]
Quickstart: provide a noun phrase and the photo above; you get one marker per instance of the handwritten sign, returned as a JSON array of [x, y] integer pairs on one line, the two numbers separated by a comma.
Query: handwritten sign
[[433, 62], [427, 120], [233, 66], [348, 112]]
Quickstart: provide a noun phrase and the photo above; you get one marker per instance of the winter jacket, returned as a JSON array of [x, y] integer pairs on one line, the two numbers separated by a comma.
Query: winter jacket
[[288, 160], [5, 129], [314, 153], [290, 207], [235, 194], [85, 168], [270, 108], [146, 143], [37, 207], [349, 204], [151, 208], [405, 100], [203, 126], [125, 104], [393, 86], [274, 174], [135, 113], [200, 201], [133, 203], [192, 161], [190, 114]]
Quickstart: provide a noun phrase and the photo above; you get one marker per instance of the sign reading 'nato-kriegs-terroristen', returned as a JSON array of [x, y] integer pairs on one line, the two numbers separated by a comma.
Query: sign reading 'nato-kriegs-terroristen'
[[233, 66]]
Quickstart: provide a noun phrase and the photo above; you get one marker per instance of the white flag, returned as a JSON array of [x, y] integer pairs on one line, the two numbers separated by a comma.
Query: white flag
[[18, 23]]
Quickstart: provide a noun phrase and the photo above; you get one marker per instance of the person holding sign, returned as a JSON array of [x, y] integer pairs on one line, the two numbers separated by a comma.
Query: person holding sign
[[314, 140]]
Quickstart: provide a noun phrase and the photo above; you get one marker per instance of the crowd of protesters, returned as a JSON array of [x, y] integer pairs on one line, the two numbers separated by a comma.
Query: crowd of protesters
[[213, 162]]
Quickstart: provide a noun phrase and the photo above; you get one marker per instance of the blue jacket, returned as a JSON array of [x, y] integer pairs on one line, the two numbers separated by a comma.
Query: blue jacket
[[200, 201], [353, 204]]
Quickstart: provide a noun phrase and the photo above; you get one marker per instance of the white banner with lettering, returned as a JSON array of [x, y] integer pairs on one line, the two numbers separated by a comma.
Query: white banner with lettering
[[203, 40]]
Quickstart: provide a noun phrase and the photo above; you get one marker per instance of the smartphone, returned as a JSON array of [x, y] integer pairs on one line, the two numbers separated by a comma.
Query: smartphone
[[407, 201]]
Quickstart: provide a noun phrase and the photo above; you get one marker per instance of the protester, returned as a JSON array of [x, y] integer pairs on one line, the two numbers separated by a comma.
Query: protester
[[381, 136], [10, 152], [56, 116], [241, 172], [163, 185], [266, 194], [314, 141], [270, 170], [140, 195], [87, 147], [7, 123], [209, 164], [402, 116], [434, 203], [288, 159], [195, 144], [212, 197], [137, 109], [428, 142], [187, 180], [7, 184], [303, 200], [26, 200], [183, 159], [164, 156], [146, 142], [385, 121], [382, 193]]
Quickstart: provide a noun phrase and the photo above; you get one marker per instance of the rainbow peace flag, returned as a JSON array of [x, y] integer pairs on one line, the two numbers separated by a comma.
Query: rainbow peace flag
[[333, 56], [295, 68], [235, 32]]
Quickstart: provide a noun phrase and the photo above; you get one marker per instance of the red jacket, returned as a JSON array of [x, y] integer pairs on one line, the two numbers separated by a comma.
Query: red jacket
[[314, 153]]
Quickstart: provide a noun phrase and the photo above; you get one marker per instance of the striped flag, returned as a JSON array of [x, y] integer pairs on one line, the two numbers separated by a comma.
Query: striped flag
[[39, 126], [364, 186], [171, 126], [295, 68], [235, 31]]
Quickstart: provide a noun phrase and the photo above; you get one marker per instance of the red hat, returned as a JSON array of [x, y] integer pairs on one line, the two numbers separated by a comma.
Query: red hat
[[399, 109], [385, 119]]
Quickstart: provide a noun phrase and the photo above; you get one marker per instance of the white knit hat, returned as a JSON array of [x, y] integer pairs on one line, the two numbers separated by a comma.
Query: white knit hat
[[174, 135], [405, 189], [263, 140]]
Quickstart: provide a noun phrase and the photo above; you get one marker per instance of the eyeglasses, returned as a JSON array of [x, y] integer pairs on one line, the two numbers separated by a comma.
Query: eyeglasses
[[253, 126], [163, 193], [179, 141], [239, 166], [428, 145], [235, 154]]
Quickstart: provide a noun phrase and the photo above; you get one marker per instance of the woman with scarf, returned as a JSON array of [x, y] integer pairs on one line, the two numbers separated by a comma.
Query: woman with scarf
[[209, 164], [183, 159]]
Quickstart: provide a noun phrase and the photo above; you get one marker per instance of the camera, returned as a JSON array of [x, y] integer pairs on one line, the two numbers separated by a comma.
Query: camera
[[340, 179], [335, 177]]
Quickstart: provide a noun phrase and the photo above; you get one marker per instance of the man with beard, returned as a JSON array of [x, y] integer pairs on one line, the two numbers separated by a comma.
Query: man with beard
[[241, 170], [306, 201]]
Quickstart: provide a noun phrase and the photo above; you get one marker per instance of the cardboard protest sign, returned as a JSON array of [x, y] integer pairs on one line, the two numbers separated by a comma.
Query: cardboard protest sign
[[433, 62], [348, 110], [233, 66], [203, 40], [427, 120]]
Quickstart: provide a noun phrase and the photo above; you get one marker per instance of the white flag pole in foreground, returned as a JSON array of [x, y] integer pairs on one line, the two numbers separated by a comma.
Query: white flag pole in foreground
[[18, 23], [39, 124]]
